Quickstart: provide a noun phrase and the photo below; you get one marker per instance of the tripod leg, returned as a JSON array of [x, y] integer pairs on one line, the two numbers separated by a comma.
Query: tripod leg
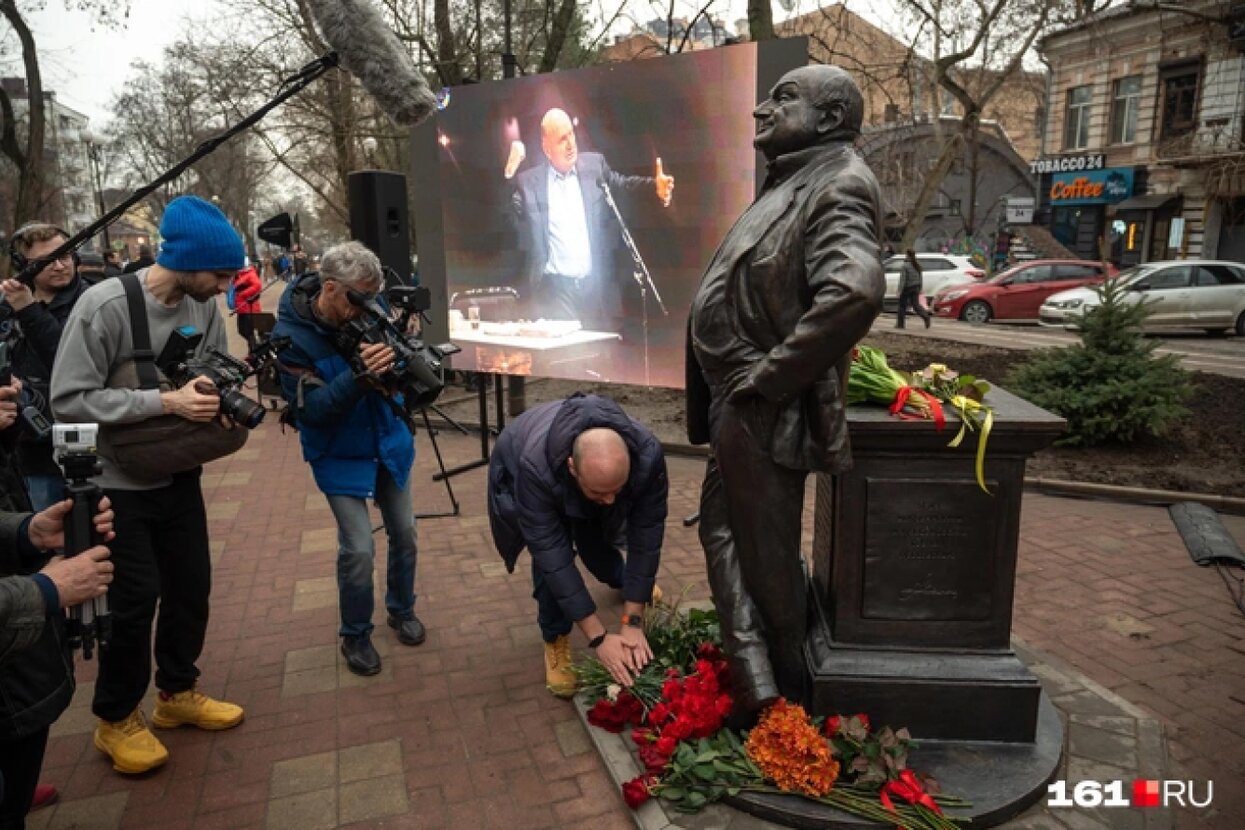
[[484, 436], [448, 419], [449, 488]]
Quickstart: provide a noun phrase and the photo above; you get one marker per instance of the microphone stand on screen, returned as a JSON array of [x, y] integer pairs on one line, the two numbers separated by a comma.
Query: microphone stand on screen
[[642, 277]]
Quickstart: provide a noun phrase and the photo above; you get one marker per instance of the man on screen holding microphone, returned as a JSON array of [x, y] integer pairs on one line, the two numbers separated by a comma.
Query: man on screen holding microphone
[[568, 234]]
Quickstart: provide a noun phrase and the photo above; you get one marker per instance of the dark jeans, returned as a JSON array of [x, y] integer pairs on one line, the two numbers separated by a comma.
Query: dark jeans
[[20, 762], [356, 554], [45, 491], [161, 554], [910, 298], [602, 559]]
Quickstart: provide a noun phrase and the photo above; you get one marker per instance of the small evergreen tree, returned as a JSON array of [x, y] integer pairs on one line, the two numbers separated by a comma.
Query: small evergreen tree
[[1111, 387]]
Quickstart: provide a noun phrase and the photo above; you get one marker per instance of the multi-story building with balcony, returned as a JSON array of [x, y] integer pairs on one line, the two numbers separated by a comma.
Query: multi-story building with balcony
[[69, 193], [1143, 156]]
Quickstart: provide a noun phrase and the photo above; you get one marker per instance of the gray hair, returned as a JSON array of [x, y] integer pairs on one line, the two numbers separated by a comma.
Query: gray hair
[[351, 263]]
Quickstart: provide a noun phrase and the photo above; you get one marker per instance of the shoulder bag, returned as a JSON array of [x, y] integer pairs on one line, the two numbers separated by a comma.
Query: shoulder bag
[[158, 447]]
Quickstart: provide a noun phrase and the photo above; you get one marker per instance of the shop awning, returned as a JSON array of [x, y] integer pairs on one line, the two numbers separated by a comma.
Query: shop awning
[[1150, 201]]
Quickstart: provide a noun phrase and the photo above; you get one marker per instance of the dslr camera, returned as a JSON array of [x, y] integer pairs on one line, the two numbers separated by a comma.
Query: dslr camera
[[228, 374], [417, 372]]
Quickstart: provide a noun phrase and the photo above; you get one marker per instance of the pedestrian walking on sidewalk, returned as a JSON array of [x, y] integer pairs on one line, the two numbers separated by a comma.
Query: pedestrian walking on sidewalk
[[910, 286]]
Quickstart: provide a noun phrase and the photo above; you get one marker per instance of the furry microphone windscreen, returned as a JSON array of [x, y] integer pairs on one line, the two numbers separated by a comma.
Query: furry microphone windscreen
[[370, 50]]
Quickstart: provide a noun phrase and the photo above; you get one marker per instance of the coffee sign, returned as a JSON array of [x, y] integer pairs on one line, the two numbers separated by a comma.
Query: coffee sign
[[1099, 187]]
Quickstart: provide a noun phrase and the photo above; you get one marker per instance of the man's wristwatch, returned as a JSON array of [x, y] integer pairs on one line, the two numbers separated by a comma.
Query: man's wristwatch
[[633, 620]]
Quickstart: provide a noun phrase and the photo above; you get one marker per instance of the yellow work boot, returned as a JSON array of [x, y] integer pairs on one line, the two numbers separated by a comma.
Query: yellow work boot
[[559, 678], [194, 708], [657, 594], [130, 744]]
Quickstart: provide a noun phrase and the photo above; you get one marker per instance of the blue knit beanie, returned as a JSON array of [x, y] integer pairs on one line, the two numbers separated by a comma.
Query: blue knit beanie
[[198, 237]]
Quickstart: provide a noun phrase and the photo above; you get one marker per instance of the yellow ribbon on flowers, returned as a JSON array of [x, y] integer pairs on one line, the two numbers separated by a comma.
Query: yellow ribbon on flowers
[[970, 415]]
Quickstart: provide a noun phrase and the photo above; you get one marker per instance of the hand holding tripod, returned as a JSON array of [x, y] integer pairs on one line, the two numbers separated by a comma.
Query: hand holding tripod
[[90, 623]]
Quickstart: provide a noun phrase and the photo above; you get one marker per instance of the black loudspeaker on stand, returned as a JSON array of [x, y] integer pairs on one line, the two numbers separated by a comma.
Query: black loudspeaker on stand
[[379, 218]]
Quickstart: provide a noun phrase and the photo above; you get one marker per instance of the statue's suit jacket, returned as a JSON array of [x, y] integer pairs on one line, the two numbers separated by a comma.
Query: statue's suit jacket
[[803, 284]]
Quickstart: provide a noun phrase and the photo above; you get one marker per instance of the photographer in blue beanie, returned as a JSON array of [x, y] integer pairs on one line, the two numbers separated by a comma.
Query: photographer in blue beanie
[[161, 552]]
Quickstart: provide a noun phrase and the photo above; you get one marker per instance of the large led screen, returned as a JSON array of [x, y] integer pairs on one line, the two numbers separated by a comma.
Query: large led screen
[[572, 214]]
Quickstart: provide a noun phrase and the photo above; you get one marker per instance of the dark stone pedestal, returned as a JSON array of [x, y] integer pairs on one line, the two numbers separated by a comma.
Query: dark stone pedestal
[[913, 577], [914, 569]]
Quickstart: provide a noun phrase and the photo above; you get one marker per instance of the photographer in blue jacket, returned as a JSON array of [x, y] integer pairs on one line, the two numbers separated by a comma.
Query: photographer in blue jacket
[[356, 440]]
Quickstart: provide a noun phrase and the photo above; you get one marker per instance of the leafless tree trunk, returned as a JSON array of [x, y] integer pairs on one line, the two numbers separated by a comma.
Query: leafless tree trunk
[[28, 159], [760, 20]]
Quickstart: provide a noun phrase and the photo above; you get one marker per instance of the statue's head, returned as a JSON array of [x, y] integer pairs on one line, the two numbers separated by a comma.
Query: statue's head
[[808, 106], [557, 139]]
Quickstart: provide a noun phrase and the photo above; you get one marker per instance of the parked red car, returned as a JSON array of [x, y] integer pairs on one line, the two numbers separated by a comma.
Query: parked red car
[[1018, 292]]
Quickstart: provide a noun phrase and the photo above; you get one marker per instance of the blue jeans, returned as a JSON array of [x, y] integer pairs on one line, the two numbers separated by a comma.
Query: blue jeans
[[356, 554], [45, 491], [602, 559]]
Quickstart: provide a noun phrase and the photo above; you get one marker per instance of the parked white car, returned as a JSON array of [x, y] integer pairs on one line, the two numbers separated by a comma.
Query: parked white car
[[1187, 293], [938, 271]]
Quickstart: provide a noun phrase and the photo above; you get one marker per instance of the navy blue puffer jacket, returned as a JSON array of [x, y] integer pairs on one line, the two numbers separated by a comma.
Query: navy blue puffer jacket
[[532, 497]]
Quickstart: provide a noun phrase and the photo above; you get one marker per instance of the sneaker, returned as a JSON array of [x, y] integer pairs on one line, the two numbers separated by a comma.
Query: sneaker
[[45, 794], [360, 654], [193, 708], [559, 678], [130, 744], [410, 630]]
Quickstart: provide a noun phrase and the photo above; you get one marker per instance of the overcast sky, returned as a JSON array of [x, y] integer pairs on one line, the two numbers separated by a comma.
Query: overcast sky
[[86, 67]]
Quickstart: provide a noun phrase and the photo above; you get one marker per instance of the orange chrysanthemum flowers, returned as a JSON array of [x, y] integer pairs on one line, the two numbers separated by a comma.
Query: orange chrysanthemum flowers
[[790, 751]]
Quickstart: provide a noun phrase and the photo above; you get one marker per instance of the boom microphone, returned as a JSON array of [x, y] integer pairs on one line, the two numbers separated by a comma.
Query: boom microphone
[[373, 54]]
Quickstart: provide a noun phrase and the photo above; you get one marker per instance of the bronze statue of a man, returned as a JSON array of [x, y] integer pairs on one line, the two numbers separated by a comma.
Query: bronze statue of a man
[[794, 286]]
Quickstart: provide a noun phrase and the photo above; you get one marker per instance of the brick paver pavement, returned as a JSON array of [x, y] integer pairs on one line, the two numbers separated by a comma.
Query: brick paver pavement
[[460, 732]]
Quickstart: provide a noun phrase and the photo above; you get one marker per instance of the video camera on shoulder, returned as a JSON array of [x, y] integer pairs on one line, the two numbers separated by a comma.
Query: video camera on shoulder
[[228, 374], [417, 372]]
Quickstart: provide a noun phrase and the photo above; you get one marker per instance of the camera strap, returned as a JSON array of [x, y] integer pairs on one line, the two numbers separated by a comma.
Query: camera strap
[[144, 357]]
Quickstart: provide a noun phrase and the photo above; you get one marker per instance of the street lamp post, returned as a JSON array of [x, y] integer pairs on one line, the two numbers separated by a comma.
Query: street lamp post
[[92, 152], [369, 150]]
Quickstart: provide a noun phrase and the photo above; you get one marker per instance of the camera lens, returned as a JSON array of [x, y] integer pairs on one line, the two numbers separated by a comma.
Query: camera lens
[[241, 408]]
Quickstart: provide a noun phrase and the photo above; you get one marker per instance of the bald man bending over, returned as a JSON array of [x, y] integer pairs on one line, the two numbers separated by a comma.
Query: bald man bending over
[[569, 237], [577, 479]]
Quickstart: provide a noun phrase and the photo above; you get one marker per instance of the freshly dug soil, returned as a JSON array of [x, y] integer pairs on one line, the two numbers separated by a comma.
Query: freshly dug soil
[[1205, 453]]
